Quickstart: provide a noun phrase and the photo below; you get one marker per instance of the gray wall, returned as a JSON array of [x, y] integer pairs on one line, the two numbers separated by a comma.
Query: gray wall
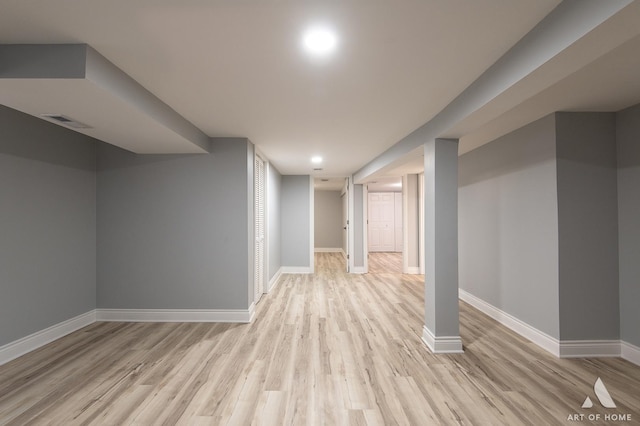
[[508, 224], [628, 144], [296, 199], [411, 220], [47, 224], [274, 185], [328, 219], [173, 230], [587, 226]]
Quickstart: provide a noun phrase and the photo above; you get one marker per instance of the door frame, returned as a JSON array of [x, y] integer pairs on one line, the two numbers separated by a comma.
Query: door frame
[[344, 195], [265, 242]]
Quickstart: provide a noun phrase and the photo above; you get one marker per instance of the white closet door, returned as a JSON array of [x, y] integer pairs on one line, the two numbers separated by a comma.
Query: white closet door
[[381, 221]]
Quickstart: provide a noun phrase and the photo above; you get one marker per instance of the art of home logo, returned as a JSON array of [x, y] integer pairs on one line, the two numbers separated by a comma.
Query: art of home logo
[[603, 396]]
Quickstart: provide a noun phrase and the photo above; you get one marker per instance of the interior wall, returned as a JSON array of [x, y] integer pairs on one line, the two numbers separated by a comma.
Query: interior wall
[[47, 224], [296, 221], [397, 215], [587, 226], [628, 155], [173, 230], [411, 227], [508, 225], [274, 189], [327, 220]]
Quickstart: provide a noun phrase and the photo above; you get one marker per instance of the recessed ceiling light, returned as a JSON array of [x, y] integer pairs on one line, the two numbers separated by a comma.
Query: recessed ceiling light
[[319, 41], [316, 160]]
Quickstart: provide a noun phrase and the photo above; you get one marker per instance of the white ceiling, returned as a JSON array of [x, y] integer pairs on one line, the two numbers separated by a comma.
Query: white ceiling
[[236, 68]]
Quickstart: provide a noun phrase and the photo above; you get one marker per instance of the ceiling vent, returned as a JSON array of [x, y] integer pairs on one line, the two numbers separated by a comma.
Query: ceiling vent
[[66, 121]]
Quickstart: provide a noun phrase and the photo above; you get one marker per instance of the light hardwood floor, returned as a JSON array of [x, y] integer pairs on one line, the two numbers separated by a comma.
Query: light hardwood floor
[[328, 348], [385, 263]]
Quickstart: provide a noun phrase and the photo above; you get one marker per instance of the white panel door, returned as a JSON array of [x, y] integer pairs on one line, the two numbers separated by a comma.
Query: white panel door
[[381, 221]]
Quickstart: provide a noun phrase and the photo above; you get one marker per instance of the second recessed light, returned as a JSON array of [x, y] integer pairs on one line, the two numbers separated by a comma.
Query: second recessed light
[[319, 41]]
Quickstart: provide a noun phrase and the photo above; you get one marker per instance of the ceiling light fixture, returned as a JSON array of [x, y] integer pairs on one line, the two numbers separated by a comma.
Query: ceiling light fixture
[[316, 159], [319, 41]]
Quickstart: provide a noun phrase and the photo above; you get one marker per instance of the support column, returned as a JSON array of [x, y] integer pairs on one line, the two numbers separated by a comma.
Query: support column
[[441, 331], [358, 221]]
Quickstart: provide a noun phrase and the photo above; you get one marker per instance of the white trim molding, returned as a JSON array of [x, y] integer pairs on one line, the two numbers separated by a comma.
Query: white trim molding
[[40, 338], [312, 208], [297, 270], [176, 315], [412, 270], [441, 344], [630, 352], [589, 348], [538, 337], [252, 313], [328, 250], [559, 348], [274, 281], [359, 270]]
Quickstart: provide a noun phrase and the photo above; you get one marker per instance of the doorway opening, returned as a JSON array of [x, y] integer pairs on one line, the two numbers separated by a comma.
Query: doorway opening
[[395, 225], [384, 226]]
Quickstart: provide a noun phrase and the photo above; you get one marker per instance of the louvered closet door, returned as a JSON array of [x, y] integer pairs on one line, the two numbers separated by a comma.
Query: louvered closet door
[[259, 231]]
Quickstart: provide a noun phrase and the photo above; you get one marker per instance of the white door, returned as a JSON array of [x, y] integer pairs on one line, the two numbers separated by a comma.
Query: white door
[[381, 221], [259, 173]]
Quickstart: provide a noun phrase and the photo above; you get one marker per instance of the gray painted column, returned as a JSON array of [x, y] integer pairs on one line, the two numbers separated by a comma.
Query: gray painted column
[[441, 332], [358, 224]]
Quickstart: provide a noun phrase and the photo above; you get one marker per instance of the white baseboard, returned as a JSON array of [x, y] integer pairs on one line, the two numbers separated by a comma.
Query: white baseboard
[[327, 250], [559, 348], [538, 337], [589, 348], [275, 280], [40, 338], [413, 270], [630, 352], [297, 270], [441, 344], [176, 315], [358, 270], [17, 348]]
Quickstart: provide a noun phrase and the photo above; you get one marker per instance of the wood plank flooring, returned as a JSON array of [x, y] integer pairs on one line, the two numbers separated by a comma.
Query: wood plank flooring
[[328, 348], [385, 263]]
